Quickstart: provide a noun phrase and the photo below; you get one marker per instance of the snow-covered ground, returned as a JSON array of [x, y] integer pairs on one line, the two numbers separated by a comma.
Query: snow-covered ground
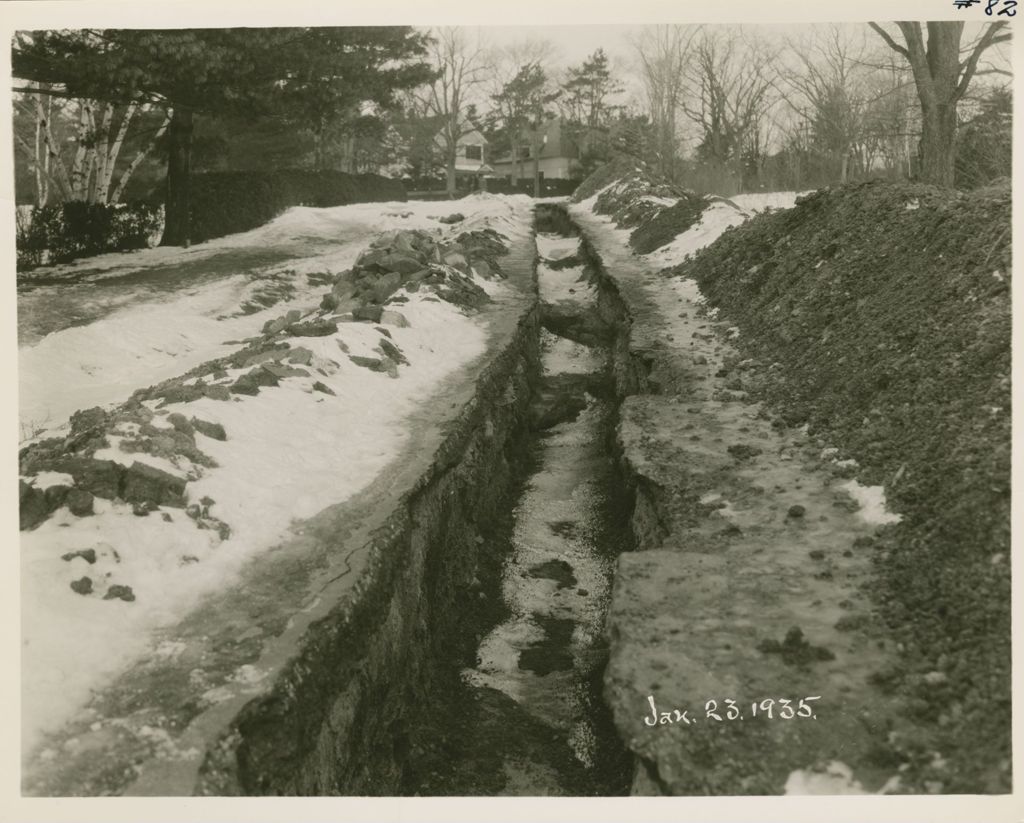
[[139, 335], [290, 452], [761, 201]]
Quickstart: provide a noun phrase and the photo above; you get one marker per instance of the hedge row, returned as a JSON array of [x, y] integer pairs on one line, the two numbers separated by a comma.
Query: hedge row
[[228, 202], [222, 203], [62, 232]]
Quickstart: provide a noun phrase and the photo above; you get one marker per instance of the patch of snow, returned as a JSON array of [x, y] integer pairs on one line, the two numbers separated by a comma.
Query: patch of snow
[[156, 336], [837, 778], [556, 246], [716, 218], [872, 503], [588, 204], [760, 201], [44, 480], [664, 202], [114, 453], [564, 285]]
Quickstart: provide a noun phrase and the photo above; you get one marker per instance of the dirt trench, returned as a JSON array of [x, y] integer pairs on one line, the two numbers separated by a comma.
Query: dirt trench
[[524, 714]]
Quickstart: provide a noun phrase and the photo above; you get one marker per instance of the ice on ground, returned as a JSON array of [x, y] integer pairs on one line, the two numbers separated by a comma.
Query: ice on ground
[[290, 452], [872, 503], [559, 355]]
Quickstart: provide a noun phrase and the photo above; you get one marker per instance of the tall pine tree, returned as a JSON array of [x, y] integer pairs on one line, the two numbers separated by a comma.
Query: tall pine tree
[[308, 74]]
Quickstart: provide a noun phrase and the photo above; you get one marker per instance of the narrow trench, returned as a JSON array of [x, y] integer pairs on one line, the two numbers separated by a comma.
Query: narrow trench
[[524, 716]]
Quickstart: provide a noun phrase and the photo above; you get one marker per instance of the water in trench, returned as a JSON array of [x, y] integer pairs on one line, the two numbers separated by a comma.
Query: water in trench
[[526, 717]]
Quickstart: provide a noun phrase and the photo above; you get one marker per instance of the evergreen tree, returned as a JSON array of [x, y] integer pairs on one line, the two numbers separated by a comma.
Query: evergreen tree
[[588, 113], [523, 105], [309, 75]]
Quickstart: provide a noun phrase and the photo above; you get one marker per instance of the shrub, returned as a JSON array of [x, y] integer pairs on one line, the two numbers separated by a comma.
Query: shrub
[[221, 203], [65, 231]]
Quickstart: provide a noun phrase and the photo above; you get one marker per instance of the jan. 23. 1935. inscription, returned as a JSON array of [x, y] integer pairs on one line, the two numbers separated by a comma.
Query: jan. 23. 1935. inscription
[[727, 709]]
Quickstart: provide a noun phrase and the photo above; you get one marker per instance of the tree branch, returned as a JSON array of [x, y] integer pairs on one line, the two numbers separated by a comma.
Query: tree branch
[[971, 65], [888, 39]]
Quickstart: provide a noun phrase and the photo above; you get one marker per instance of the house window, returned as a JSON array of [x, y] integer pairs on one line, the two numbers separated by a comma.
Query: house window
[[474, 152]]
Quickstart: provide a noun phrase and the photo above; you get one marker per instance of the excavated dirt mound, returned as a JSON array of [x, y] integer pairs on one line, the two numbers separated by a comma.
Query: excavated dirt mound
[[639, 198], [879, 314], [668, 223], [605, 175]]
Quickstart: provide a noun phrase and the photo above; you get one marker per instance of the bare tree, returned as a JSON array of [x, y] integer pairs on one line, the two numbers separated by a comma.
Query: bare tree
[[832, 82], [461, 66], [942, 76], [663, 52], [97, 147], [729, 91]]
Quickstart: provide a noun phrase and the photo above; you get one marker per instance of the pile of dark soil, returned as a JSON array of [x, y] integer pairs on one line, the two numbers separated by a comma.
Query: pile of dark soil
[[638, 197], [884, 313], [668, 223], [604, 175]]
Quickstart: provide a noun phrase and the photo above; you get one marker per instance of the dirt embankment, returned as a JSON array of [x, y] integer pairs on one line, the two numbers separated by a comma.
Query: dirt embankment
[[880, 315], [637, 197]]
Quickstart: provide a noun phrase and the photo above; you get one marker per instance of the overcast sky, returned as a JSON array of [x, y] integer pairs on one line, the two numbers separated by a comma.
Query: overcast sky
[[574, 43]]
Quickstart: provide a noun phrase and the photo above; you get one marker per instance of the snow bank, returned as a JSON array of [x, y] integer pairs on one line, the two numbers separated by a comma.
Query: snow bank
[[760, 201], [290, 452], [154, 337]]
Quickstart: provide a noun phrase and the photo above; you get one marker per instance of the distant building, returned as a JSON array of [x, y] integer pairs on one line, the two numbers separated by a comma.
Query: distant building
[[559, 156], [470, 154]]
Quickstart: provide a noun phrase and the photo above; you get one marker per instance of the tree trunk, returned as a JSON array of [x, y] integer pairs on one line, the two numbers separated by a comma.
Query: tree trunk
[[516, 167], [128, 172], [449, 176], [111, 155], [52, 150], [45, 191], [40, 152], [535, 151], [79, 166], [179, 162], [938, 145]]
